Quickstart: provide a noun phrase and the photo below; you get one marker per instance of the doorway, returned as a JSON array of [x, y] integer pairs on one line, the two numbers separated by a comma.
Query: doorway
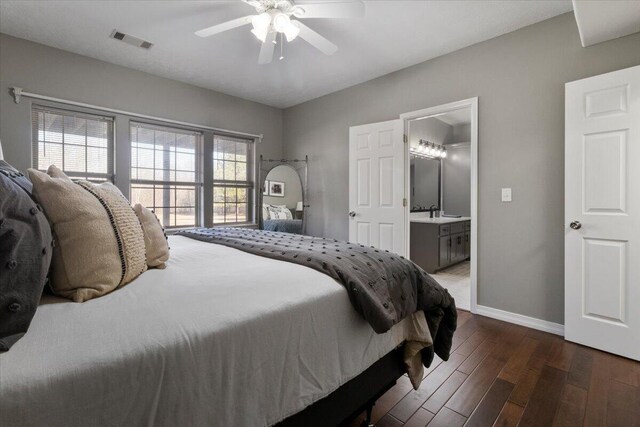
[[441, 181]]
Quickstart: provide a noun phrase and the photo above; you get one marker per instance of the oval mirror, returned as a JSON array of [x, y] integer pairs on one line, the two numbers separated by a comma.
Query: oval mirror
[[282, 201]]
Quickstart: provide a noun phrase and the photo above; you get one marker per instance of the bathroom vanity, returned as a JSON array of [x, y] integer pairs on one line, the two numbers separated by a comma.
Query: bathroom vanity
[[437, 243]]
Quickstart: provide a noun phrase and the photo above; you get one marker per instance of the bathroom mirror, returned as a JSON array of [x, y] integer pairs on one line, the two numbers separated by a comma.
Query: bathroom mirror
[[282, 200], [425, 179]]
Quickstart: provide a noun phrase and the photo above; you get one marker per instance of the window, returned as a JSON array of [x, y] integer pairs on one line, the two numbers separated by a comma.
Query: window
[[79, 144], [232, 180], [166, 173]]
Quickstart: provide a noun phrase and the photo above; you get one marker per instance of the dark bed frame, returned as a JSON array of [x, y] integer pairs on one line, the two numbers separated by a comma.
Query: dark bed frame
[[352, 398]]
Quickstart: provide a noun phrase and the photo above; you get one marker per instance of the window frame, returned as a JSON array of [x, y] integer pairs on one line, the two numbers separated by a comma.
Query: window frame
[[249, 184], [120, 155], [52, 108], [199, 172]]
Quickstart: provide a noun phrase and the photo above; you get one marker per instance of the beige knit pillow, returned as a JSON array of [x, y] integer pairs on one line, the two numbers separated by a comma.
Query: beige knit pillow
[[99, 244], [154, 238], [126, 226]]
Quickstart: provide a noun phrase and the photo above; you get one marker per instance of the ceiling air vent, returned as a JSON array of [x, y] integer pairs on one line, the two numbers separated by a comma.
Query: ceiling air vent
[[133, 41]]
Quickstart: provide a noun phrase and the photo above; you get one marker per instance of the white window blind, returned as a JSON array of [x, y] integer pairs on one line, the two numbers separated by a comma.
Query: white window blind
[[166, 173], [80, 144], [232, 180]]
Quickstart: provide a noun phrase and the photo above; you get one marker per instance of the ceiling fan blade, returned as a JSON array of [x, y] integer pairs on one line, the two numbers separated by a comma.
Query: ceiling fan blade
[[225, 26], [315, 39], [352, 9], [266, 51]]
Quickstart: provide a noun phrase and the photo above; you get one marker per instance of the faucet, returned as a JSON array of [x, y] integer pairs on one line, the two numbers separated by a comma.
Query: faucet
[[432, 209]]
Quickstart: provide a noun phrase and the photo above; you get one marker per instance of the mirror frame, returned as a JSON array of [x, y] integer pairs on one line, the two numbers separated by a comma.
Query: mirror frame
[[263, 172]]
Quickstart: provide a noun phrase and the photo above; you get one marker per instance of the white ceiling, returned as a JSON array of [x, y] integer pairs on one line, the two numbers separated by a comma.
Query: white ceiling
[[600, 21], [392, 35]]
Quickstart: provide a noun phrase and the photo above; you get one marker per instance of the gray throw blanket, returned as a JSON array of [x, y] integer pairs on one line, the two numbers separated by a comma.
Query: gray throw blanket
[[383, 287]]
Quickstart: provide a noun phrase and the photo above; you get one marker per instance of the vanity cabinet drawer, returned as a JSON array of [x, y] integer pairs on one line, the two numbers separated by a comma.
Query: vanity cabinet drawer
[[445, 230], [457, 227], [467, 225]]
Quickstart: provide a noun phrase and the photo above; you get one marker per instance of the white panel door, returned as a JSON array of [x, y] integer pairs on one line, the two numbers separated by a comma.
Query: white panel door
[[602, 212], [377, 216]]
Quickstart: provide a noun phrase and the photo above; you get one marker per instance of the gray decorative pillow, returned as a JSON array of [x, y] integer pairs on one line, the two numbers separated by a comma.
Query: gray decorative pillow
[[25, 255]]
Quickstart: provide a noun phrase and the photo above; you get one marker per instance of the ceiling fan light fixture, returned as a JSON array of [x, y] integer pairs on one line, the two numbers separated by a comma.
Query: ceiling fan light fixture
[[260, 35], [281, 22], [291, 31], [261, 24]]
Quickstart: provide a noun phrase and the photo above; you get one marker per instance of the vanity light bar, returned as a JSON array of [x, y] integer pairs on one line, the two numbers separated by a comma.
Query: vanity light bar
[[429, 150]]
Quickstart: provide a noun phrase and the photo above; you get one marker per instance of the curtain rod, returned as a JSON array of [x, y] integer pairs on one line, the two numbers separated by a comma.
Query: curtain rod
[[18, 92], [305, 160]]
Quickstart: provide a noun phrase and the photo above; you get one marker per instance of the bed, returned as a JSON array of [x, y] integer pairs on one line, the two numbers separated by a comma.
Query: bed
[[280, 218], [283, 225], [220, 335]]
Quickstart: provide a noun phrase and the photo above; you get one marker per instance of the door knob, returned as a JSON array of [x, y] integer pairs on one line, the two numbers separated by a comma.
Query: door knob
[[352, 214], [575, 225]]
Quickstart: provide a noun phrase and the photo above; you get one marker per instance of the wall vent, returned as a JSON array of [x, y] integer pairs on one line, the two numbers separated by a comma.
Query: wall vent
[[133, 41]]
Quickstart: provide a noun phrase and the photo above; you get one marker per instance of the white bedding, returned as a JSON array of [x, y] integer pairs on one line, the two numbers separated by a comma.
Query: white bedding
[[218, 338]]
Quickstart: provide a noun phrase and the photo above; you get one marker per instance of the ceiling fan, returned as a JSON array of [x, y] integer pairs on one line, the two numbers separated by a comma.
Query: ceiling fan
[[274, 17]]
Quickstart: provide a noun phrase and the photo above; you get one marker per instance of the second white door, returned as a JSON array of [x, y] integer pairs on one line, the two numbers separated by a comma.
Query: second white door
[[377, 186], [602, 210]]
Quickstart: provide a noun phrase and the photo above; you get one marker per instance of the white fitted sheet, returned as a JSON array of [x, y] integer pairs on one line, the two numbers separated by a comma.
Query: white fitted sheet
[[218, 338]]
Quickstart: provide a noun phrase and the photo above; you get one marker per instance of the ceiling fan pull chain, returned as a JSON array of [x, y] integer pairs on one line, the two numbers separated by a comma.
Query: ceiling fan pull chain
[[281, 48]]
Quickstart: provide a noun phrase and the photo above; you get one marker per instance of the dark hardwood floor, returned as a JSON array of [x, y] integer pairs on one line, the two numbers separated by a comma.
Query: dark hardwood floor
[[501, 374]]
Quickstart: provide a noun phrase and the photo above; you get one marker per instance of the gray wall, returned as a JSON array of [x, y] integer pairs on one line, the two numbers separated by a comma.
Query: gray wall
[[519, 79], [460, 133], [456, 180], [430, 129], [292, 188], [48, 71]]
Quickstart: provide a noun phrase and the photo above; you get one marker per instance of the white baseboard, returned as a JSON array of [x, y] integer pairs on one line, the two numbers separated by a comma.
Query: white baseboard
[[519, 319]]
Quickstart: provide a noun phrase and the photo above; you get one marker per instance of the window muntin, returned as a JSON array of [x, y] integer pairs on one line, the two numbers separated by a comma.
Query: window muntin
[[166, 173], [232, 180], [80, 144]]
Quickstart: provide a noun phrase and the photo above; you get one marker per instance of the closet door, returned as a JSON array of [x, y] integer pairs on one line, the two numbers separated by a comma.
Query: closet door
[[602, 212]]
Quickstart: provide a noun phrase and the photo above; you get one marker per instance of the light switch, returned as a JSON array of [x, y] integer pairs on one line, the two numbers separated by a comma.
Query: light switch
[[506, 194]]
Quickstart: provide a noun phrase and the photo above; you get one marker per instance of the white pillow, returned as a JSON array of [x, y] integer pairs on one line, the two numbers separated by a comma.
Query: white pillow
[[265, 212], [279, 212]]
